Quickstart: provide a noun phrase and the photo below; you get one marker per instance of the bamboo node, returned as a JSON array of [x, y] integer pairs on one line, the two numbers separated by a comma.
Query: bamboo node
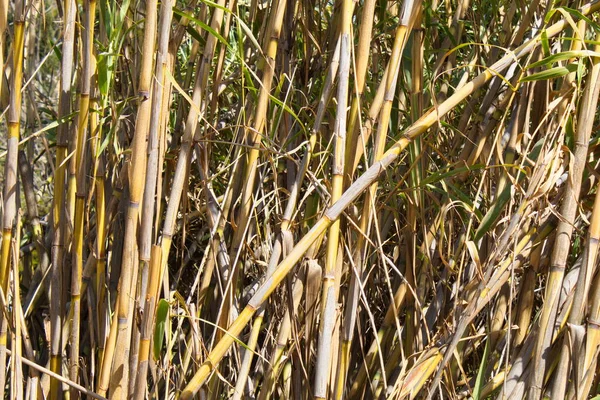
[[595, 323], [557, 268]]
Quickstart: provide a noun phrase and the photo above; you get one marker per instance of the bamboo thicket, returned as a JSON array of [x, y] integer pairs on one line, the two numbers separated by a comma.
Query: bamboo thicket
[[299, 199]]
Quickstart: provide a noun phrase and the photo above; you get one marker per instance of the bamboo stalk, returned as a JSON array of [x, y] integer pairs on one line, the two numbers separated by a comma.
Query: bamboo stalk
[[593, 336], [570, 357], [362, 60], [3, 22], [166, 13], [189, 135], [10, 193], [330, 284], [119, 384], [255, 135], [416, 205], [59, 212], [17, 344], [78, 235]]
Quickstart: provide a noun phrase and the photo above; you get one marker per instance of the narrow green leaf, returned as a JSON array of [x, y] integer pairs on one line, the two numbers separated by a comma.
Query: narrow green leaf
[[480, 374], [565, 55], [545, 43], [551, 73], [162, 313], [202, 25]]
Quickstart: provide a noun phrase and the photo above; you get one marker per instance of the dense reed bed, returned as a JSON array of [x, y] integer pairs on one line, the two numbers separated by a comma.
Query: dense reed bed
[[299, 199]]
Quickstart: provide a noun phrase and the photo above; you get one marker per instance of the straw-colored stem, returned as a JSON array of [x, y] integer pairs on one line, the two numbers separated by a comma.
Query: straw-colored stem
[[3, 24], [119, 384], [330, 285], [10, 191], [593, 331], [59, 212], [286, 223], [571, 357], [355, 125], [166, 14], [189, 135], [254, 139], [81, 174], [147, 323], [17, 343]]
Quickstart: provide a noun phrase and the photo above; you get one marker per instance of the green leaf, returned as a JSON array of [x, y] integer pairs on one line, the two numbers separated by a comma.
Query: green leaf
[[162, 313], [202, 25], [569, 133], [545, 44], [103, 75], [448, 172], [194, 33], [551, 73], [480, 374], [565, 55], [578, 15]]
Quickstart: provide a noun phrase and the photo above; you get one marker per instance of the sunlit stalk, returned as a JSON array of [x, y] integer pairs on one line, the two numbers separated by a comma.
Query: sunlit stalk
[[9, 216]]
